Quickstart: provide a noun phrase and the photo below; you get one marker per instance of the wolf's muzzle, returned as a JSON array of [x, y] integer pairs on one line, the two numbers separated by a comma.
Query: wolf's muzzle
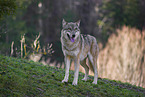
[[72, 38]]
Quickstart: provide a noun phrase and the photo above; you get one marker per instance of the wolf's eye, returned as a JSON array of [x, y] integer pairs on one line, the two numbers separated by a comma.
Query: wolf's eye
[[76, 29]]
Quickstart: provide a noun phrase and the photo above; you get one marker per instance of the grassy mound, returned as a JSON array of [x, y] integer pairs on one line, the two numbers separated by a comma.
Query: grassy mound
[[26, 78]]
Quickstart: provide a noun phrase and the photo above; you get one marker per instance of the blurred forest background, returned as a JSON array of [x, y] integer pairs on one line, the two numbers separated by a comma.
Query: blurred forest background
[[28, 26]]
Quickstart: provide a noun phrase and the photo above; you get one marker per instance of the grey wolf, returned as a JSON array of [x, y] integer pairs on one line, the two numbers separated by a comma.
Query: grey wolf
[[77, 47]]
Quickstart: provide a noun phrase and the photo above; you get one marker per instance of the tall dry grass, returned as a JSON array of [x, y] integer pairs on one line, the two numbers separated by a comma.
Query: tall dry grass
[[123, 58]]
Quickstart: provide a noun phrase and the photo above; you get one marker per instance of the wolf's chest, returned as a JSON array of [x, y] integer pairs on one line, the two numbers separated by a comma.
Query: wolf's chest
[[77, 53], [72, 53]]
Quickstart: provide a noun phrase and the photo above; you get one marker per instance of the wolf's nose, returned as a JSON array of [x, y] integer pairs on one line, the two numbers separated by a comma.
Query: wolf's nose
[[73, 35]]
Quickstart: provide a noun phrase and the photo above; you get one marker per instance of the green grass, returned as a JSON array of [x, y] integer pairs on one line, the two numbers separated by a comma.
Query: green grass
[[26, 78]]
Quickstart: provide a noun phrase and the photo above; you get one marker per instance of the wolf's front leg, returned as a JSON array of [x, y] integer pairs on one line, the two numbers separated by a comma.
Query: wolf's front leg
[[67, 63], [76, 73]]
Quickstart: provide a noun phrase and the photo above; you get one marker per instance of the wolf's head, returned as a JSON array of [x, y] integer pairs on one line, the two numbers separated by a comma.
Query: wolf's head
[[71, 30]]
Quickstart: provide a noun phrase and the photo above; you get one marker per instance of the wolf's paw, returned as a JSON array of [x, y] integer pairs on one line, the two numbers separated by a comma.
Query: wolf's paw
[[74, 83], [64, 81], [84, 79], [94, 82]]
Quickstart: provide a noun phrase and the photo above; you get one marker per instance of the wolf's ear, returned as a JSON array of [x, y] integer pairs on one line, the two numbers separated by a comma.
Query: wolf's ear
[[78, 23], [63, 23]]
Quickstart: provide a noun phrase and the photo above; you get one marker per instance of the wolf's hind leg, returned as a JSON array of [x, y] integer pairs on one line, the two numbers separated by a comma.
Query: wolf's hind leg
[[95, 74], [93, 65], [83, 63]]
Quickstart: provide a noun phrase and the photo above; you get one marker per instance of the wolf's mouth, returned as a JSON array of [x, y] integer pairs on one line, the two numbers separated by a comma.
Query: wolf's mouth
[[71, 38]]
